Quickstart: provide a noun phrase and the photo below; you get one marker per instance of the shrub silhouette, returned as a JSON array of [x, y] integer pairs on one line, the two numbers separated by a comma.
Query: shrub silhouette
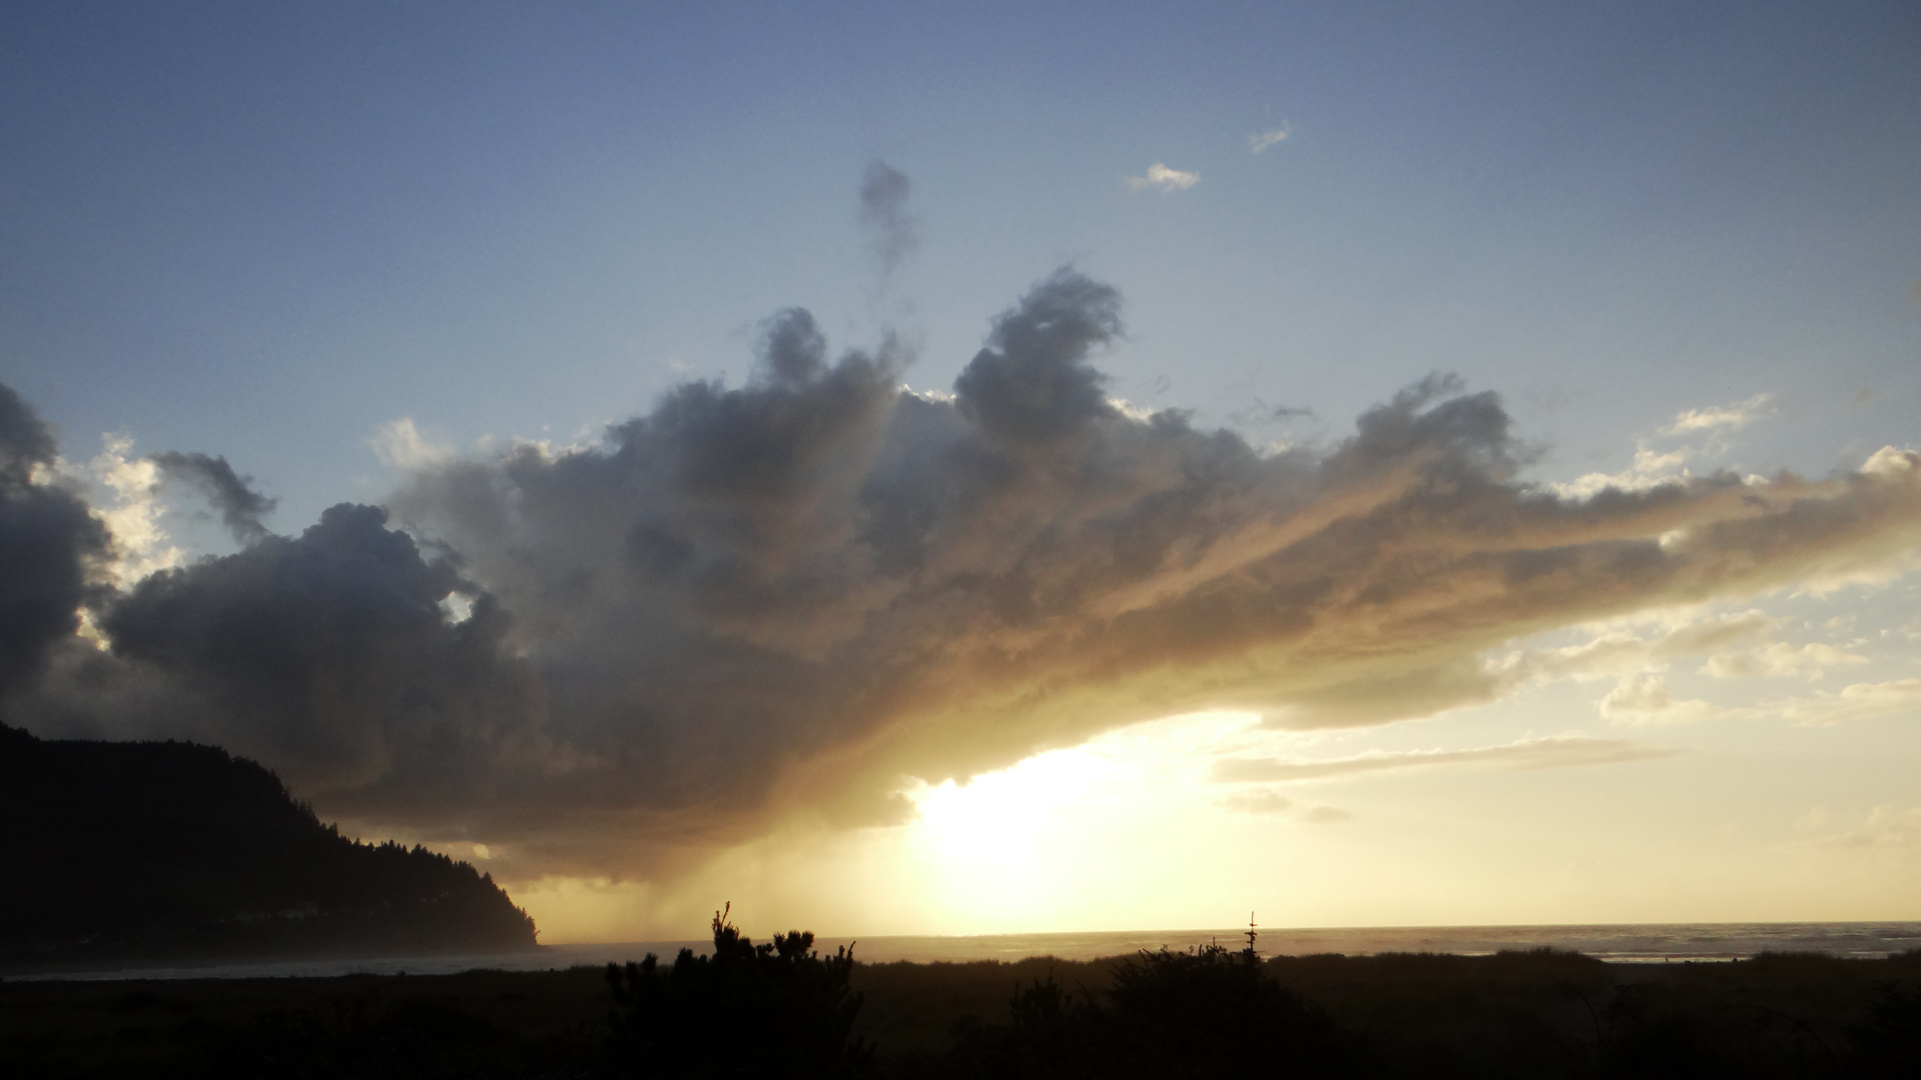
[[1210, 1012], [773, 1010], [1889, 1042], [1664, 1028], [1204, 1013]]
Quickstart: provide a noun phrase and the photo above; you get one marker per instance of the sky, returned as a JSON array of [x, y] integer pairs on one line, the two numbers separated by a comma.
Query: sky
[[991, 468]]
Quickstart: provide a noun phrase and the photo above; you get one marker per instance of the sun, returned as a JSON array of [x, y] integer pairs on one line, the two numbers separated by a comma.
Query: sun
[[1059, 837]]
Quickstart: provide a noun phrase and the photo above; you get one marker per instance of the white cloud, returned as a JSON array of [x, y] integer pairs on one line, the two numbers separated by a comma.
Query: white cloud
[[1651, 468], [400, 445], [1890, 461], [1269, 801], [140, 545], [1875, 571], [1812, 661], [1619, 653], [1721, 418], [1161, 178], [1645, 699], [1561, 752], [935, 397], [1857, 701], [456, 609], [1885, 827], [1260, 143], [1258, 802]]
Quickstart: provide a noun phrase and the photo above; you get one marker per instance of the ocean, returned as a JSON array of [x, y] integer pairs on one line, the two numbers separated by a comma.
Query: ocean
[[1654, 943]]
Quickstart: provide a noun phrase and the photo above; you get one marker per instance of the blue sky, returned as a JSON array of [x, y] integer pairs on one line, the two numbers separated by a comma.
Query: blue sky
[[261, 233], [264, 232]]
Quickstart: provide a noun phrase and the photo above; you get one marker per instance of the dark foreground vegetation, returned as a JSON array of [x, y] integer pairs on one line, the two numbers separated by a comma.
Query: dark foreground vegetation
[[779, 1009], [148, 852]]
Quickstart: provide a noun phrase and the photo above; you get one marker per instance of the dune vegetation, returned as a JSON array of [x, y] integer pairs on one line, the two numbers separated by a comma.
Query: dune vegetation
[[780, 1009]]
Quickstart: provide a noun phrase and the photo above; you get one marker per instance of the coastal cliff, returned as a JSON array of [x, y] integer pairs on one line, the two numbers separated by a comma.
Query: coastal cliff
[[177, 852]]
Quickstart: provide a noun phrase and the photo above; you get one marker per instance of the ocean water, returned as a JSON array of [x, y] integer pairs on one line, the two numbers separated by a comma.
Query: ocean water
[[1653, 943]]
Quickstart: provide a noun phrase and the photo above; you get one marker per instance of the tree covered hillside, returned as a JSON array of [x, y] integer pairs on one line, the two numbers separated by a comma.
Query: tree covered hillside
[[175, 851]]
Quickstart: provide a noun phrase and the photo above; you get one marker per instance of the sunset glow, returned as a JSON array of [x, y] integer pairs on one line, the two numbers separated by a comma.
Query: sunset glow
[[1051, 468]]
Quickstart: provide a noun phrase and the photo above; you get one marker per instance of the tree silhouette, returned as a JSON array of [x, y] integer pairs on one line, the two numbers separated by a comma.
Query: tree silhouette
[[772, 1010]]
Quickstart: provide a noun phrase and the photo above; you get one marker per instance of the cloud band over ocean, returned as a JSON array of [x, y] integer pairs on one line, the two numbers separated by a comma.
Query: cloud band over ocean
[[789, 596]]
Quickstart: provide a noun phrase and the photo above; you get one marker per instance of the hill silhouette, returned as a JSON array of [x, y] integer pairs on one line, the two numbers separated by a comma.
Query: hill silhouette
[[175, 851]]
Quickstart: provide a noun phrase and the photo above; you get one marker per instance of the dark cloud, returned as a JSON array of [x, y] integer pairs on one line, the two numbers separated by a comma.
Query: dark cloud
[[793, 351], [1032, 383], [240, 506], [329, 651], [1258, 413], [25, 442], [789, 595], [893, 232], [49, 546]]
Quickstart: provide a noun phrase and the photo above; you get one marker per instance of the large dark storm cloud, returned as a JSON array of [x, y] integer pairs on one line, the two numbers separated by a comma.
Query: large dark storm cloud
[[333, 647], [48, 546], [787, 596]]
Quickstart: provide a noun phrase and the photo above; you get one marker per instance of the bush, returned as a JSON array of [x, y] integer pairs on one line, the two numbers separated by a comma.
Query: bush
[[770, 1010], [1203, 1013]]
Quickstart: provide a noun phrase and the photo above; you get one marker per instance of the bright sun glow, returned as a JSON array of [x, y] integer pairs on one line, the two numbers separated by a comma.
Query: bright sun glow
[[1054, 839], [1122, 832], [998, 843]]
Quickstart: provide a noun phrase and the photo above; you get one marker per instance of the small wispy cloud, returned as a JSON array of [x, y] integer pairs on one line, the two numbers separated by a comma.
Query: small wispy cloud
[[1707, 428], [1856, 701], [1553, 753], [1886, 827], [1618, 653], [1781, 660], [1722, 418], [400, 445], [1163, 179], [1259, 144], [1646, 699], [1651, 469], [892, 231], [240, 506], [1258, 802], [1257, 413], [1271, 802]]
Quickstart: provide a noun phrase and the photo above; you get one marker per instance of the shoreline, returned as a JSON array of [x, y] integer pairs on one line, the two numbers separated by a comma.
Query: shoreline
[[1615, 944]]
